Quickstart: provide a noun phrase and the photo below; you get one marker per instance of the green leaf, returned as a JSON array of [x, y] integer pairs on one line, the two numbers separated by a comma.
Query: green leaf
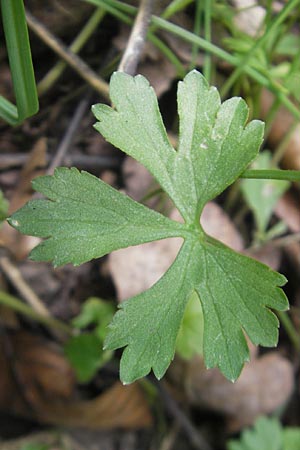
[[19, 55], [291, 438], [235, 292], [84, 218], [190, 336], [85, 351], [95, 311], [85, 355], [148, 323], [266, 435], [3, 207], [35, 446], [136, 126], [214, 148], [214, 145], [262, 195]]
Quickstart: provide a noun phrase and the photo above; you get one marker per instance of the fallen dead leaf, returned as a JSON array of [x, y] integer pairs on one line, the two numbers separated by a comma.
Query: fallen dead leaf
[[37, 382], [135, 269], [118, 407], [267, 254], [287, 209], [250, 17], [18, 244], [280, 126], [265, 384]]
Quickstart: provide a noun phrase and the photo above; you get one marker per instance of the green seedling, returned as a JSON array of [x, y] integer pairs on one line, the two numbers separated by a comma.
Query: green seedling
[[84, 218], [262, 197], [267, 434], [85, 351], [20, 62], [3, 208]]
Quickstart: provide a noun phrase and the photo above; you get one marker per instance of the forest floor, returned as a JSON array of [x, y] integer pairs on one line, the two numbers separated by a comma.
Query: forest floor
[[58, 389]]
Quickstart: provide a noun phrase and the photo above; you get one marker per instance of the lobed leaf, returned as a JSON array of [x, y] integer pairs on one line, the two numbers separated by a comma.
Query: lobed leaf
[[215, 147], [86, 218], [266, 434], [135, 126], [236, 293], [147, 324]]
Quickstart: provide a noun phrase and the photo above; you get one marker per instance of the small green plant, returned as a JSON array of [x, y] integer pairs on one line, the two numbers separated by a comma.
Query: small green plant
[[3, 207], [85, 218], [267, 434], [84, 351], [262, 196], [19, 55]]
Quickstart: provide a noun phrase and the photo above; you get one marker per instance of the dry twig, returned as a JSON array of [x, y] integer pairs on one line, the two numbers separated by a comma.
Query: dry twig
[[67, 55], [137, 38]]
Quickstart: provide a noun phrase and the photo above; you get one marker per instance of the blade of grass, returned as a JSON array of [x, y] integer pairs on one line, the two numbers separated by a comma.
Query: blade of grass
[[51, 77], [207, 36], [272, 174], [290, 329], [190, 37], [84, 70], [165, 50], [20, 307], [197, 30], [286, 10], [19, 56], [174, 7]]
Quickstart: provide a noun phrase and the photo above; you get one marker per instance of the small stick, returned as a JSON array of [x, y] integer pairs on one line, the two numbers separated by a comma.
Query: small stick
[[278, 242], [183, 420], [51, 77], [67, 55], [9, 161], [69, 135], [137, 38], [16, 278]]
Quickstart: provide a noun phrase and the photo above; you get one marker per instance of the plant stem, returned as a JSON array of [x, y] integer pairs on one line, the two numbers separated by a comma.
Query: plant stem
[[290, 329], [283, 145], [275, 174], [197, 29], [207, 36], [20, 307]]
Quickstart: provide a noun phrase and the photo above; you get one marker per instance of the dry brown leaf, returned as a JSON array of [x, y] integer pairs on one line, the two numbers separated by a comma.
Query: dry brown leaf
[[137, 268], [41, 367], [280, 126], [37, 382], [267, 254], [265, 384], [287, 209], [32, 368], [250, 16], [18, 244], [137, 179], [118, 407]]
